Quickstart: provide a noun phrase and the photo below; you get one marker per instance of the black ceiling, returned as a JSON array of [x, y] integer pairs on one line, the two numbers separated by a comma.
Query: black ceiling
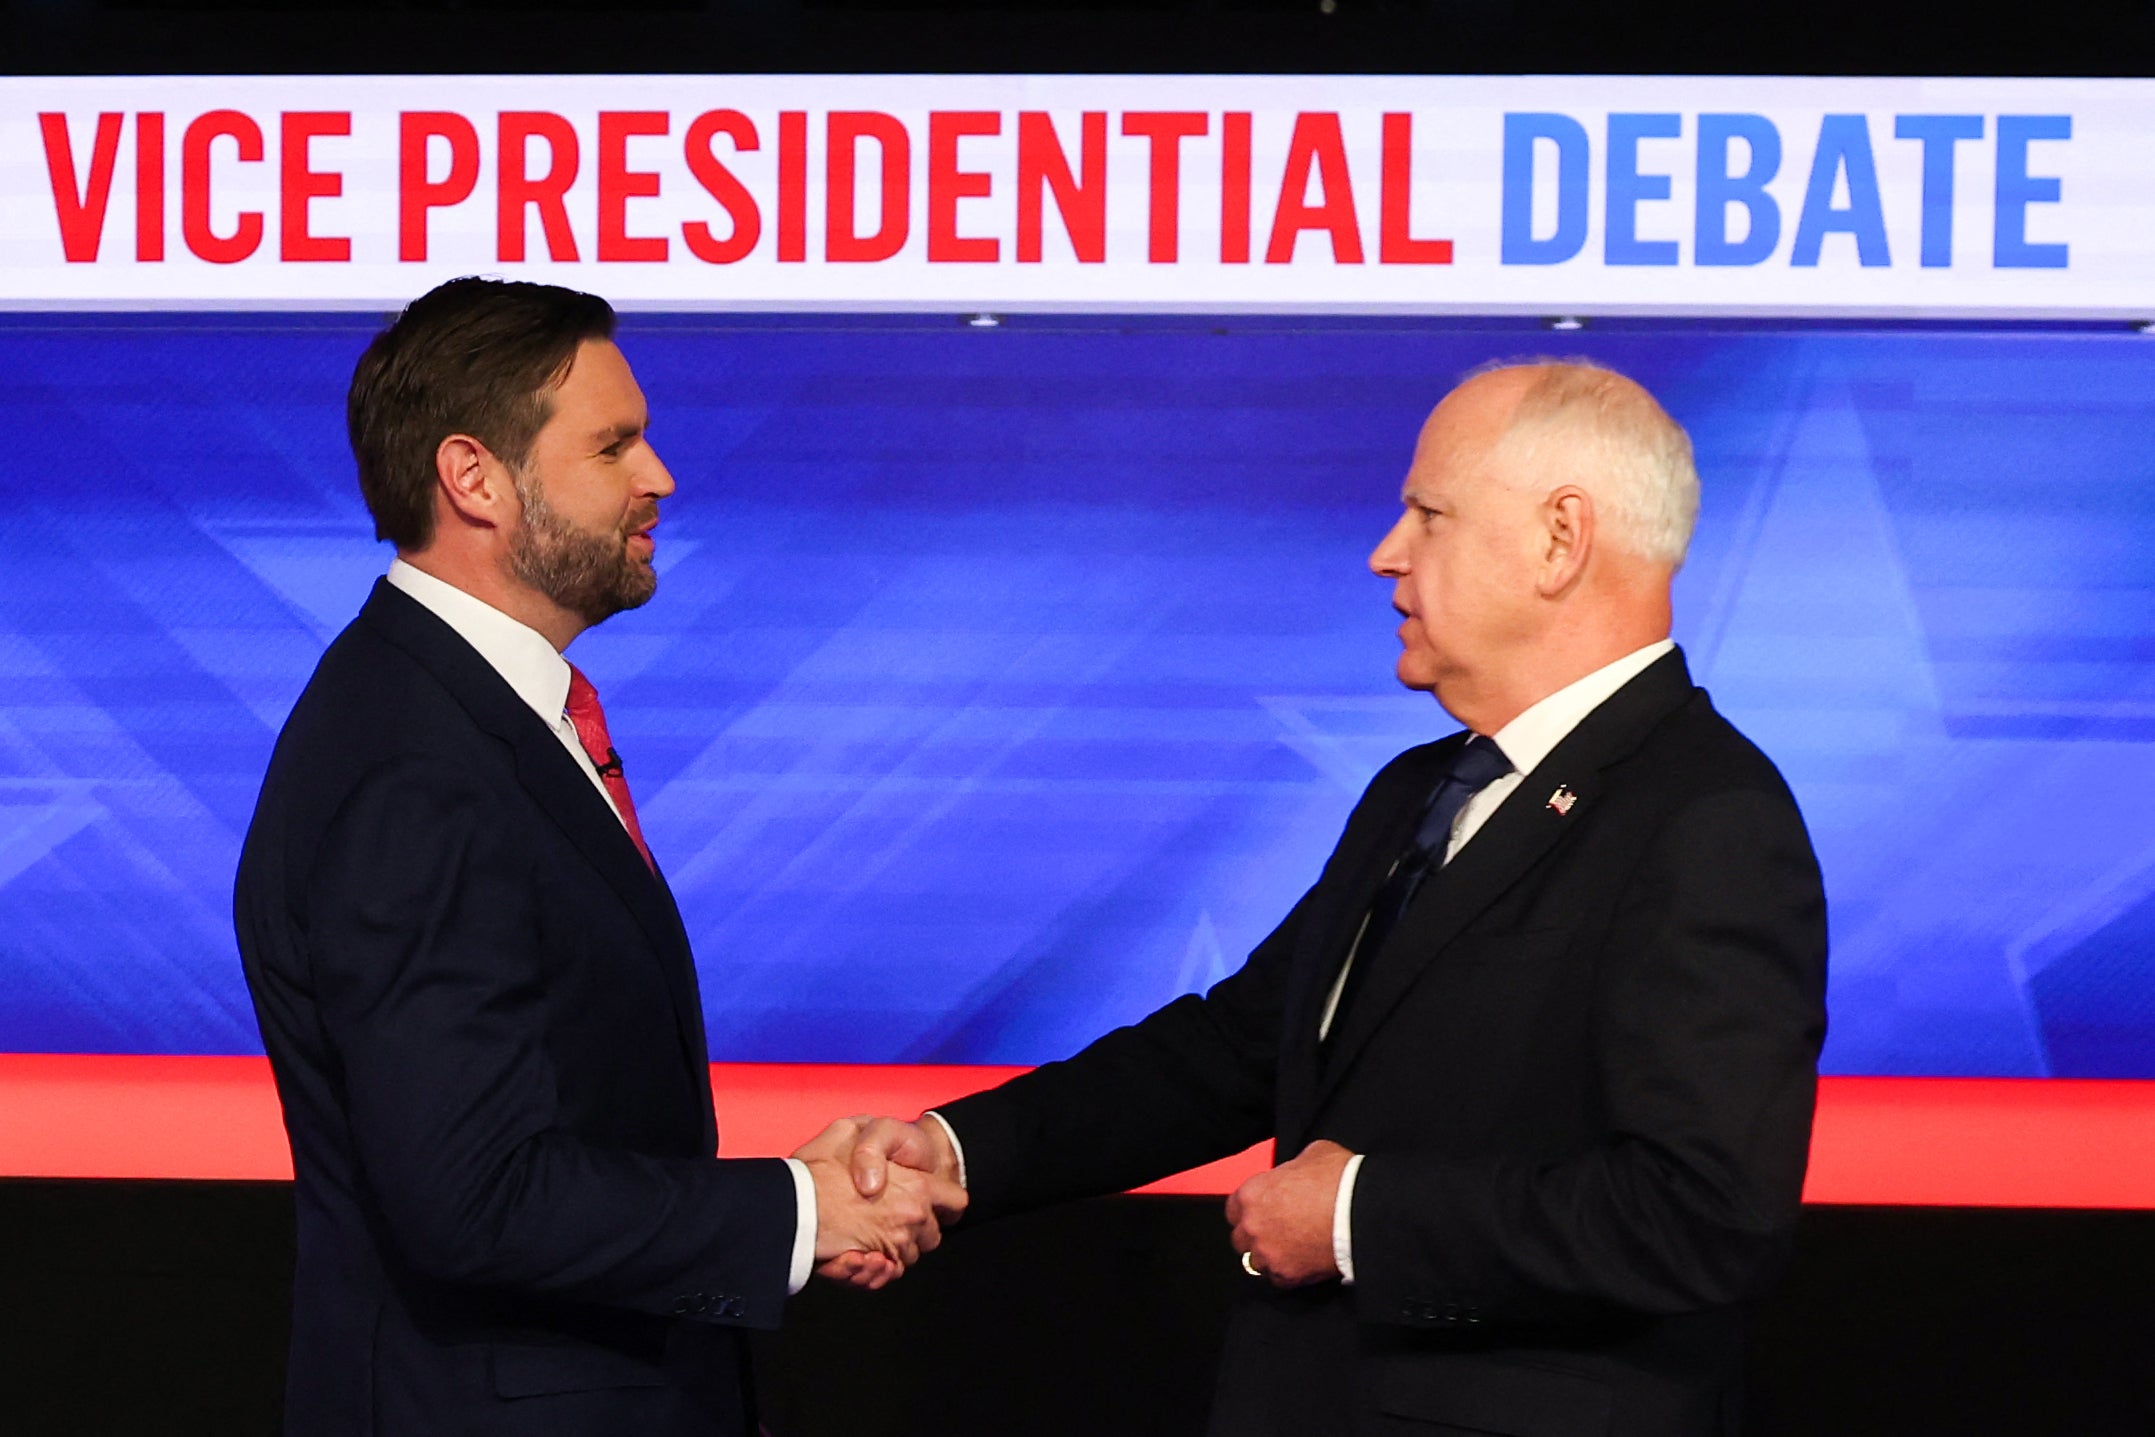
[[2059, 37]]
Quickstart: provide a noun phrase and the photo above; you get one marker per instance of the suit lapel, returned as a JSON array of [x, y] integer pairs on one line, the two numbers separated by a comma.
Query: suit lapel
[[559, 788], [1365, 860], [1319, 964], [1524, 828]]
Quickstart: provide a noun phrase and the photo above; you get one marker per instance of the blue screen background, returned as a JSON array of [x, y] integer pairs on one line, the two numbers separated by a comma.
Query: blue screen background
[[1004, 684]]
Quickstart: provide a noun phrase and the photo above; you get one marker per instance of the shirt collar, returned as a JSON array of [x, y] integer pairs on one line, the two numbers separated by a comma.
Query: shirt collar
[[1528, 739], [520, 654]]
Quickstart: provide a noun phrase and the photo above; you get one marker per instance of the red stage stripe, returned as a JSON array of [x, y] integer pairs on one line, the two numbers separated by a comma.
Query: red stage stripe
[[68, 1115], [1984, 1142], [1932, 1141]]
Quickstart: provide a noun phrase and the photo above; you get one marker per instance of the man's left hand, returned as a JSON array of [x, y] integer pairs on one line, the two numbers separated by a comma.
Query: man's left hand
[[1283, 1218]]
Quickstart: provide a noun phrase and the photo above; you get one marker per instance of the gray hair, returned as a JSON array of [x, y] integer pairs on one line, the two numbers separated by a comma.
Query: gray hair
[[1582, 423]]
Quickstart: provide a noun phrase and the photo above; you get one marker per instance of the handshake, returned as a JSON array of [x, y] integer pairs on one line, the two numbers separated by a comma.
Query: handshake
[[884, 1190]]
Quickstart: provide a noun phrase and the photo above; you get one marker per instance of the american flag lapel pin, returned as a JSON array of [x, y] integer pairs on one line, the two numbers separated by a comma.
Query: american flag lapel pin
[[1562, 800]]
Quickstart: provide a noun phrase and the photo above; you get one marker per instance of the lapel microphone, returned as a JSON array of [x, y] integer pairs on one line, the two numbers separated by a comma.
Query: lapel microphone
[[612, 767]]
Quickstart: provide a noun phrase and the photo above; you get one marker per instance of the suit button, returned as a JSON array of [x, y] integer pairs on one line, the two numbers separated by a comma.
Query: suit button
[[703, 1302], [680, 1306], [735, 1306]]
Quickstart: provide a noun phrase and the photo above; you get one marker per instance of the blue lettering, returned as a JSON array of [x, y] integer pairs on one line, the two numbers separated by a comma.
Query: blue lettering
[[1627, 187], [1844, 145], [1718, 189], [1938, 133], [2017, 189], [1521, 133]]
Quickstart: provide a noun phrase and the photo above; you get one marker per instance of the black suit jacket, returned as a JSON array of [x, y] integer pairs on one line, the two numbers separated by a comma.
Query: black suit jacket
[[483, 1020], [1582, 1066]]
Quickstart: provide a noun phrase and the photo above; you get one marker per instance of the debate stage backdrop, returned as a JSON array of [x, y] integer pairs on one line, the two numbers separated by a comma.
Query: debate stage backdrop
[[1004, 683]]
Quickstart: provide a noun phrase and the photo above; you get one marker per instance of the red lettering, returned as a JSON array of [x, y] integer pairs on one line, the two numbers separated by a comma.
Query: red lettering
[[150, 186], [519, 191], [1167, 129], [1394, 244], [80, 210], [1235, 187], [246, 236], [416, 194], [842, 244], [947, 184], [618, 184], [301, 185], [1316, 141], [792, 186], [723, 186], [1042, 166]]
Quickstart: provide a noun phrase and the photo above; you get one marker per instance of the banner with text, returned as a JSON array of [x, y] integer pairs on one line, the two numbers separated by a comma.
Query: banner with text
[[1884, 197]]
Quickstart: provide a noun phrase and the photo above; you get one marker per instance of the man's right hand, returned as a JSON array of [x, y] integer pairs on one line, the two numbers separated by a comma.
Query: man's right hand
[[884, 1143], [865, 1237]]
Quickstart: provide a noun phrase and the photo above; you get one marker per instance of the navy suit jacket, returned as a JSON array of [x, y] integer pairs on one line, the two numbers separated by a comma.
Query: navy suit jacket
[[484, 1024], [1582, 1065]]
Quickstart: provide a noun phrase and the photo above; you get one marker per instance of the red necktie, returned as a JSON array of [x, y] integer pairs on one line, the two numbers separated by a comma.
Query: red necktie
[[590, 721]]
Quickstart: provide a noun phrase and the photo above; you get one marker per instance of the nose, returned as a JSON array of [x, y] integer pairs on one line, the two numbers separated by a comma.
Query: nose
[[654, 479], [1389, 559]]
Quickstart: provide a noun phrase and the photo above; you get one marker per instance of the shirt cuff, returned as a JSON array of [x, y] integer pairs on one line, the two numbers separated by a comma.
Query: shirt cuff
[[804, 1227], [1342, 1224], [957, 1148]]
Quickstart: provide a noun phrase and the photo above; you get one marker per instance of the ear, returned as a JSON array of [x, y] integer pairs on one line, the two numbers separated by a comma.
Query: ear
[[473, 483], [1568, 520]]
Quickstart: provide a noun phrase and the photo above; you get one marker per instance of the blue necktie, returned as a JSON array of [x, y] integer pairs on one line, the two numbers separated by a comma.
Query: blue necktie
[[1478, 764]]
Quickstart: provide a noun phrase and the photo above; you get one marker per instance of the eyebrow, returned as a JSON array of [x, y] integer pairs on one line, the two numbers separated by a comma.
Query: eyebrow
[[607, 438]]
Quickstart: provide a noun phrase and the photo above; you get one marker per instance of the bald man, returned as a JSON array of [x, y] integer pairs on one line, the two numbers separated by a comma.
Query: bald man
[[1539, 1048]]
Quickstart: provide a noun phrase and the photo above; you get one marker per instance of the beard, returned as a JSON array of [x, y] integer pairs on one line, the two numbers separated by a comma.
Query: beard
[[589, 574]]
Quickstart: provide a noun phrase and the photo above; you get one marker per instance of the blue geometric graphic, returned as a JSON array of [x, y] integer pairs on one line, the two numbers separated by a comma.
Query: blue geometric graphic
[[1003, 684]]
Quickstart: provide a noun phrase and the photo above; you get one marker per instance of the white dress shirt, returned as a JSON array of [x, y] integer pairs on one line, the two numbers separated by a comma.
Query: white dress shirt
[[530, 665], [1526, 741]]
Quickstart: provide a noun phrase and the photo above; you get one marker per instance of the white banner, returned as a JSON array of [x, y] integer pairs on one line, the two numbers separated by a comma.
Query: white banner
[[1544, 195]]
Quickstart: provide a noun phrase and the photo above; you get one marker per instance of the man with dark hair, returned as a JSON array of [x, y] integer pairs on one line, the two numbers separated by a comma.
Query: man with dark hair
[[472, 983], [422, 368]]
